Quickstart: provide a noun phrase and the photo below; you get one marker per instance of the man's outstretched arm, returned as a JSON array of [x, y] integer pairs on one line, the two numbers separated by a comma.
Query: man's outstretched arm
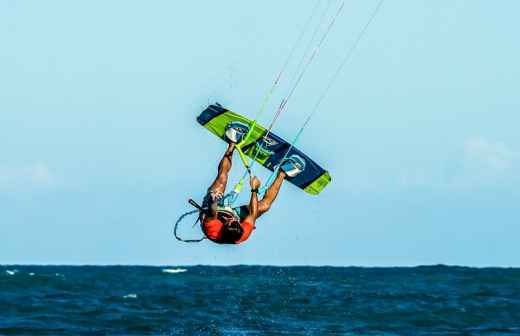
[[253, 203], [249, 222]]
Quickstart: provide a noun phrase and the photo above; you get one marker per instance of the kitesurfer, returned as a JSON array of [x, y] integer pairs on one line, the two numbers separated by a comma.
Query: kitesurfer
[[226, 225]]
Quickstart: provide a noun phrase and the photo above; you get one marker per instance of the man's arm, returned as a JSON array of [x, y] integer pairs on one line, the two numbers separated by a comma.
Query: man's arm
[[253, 204]]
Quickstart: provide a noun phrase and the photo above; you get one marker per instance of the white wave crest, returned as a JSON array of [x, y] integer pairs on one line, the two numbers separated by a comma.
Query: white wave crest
[[11, 272], [130, 296], [174, 270]]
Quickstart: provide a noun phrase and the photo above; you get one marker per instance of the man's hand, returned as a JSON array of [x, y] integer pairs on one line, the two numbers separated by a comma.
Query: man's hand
[[255, 182]]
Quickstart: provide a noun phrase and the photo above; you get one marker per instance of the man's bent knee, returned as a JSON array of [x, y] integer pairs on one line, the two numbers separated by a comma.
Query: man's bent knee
[[222, 178], [220, 183]]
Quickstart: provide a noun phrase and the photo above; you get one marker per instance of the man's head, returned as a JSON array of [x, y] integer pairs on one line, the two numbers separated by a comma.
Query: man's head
[[223, 229], [231, 232]]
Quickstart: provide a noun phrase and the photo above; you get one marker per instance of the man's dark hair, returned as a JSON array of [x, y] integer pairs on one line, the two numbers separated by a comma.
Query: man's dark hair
[[231, 232]]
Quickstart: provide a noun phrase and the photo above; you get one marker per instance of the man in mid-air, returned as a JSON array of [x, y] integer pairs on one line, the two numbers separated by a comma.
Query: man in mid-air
[[223, 224]]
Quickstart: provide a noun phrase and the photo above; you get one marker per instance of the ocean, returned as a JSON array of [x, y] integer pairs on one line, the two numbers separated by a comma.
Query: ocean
[[258, 300]]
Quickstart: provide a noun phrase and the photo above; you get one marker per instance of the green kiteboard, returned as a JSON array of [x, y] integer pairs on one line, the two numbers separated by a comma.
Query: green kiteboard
[[267, 151]]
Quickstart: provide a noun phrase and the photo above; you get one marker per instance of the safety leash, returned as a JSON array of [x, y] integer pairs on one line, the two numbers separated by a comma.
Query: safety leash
[[200, 210]]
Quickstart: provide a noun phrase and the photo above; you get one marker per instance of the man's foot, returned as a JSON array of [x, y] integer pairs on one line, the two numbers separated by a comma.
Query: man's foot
[[293, 165], [236, 131]]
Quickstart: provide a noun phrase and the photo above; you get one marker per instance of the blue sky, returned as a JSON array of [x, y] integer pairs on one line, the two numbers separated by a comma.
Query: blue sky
[[100, 148]]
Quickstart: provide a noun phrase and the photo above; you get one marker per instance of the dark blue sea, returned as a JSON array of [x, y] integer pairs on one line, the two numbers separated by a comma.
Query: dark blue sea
[[258, 300]]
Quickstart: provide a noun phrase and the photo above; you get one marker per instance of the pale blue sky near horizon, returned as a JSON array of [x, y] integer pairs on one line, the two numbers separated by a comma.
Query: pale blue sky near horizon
[[100, 148]]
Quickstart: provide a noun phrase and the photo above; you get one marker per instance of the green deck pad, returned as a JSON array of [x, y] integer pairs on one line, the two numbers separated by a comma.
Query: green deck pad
[[312, 180]]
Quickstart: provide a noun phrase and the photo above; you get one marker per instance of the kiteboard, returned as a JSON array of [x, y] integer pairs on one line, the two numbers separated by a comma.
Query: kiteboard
[[268, 150]]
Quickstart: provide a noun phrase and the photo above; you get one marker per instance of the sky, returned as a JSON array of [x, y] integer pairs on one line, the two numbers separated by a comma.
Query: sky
[[100, 148]]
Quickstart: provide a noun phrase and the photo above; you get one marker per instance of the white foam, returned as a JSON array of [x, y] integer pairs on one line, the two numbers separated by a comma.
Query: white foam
[[130, 296], [31, 274], [13, 272], [174, 270]]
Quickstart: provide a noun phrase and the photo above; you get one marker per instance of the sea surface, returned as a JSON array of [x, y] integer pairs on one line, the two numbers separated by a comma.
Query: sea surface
[[258, 300]]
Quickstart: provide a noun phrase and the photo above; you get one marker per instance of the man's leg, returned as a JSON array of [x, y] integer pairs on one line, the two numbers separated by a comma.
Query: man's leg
[[270, 195], [219, 185]]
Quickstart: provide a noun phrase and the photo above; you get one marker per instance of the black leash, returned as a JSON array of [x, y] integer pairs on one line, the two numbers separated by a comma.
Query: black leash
[[199, 210]]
